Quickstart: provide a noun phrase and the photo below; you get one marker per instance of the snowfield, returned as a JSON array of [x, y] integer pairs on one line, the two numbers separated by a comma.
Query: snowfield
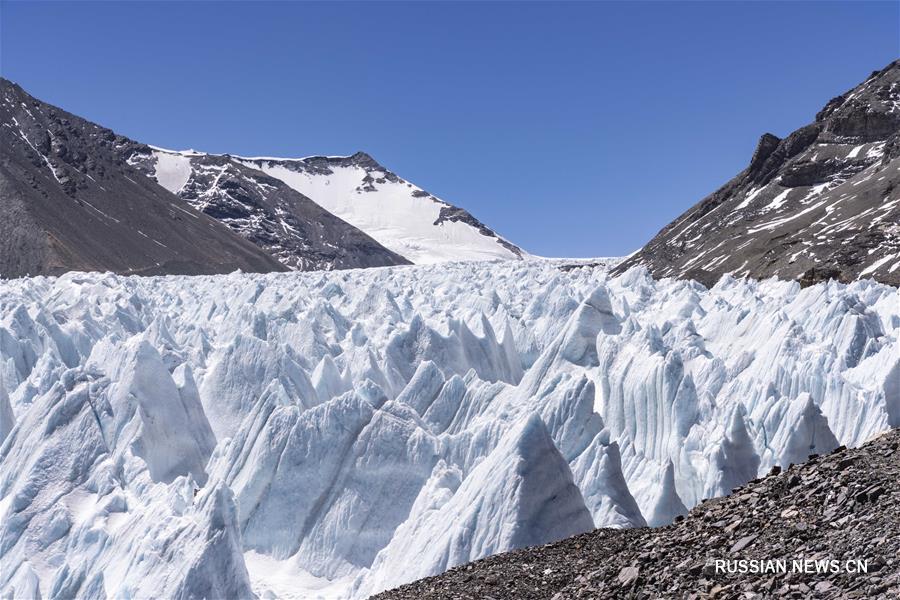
[[399, 215], [334, 434]]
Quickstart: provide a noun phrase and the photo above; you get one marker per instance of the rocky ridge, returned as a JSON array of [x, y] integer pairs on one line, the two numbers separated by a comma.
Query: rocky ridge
[[822, 203], [840, 507], [69, 201]]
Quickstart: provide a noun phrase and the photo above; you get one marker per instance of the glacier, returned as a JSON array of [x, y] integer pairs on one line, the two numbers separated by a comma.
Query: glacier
[[333, 434]]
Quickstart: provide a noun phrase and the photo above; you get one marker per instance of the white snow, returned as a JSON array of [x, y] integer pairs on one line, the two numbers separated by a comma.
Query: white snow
[[172, 170], [876, 151], [302, 435], [751, 195], [39, 153], [779, 222], [386, 210], [876, 265], [391, 214], [778, 201]]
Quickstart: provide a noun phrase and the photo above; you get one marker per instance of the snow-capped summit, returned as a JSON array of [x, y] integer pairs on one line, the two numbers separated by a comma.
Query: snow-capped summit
[[324, 212], [400, 215], [298, 232]]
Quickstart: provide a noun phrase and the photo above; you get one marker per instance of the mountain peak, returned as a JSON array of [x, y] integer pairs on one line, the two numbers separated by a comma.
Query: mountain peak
[[767, 144], [364, 159], [398, 214]]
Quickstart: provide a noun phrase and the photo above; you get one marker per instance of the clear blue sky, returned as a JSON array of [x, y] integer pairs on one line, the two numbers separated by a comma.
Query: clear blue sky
[[575, 129]]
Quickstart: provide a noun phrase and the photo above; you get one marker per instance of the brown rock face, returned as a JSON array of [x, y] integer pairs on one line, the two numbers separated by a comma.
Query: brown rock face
[[822, 202]]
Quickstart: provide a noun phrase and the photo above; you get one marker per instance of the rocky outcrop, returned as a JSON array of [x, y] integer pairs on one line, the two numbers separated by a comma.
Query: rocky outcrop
[[450, 214], [822, 203], [836, 514]]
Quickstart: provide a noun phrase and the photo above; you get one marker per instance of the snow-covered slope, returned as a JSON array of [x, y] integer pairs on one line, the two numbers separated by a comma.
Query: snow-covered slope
[[298, 232], [324, 212], [301, 434], [397, 213]]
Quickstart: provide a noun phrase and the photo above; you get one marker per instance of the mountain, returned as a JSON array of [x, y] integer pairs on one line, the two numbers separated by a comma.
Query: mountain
[[839, 507], [400, 215], [70, 202], [822, 203], [303, 434], [77, 196], [298, 209], [262, 209]]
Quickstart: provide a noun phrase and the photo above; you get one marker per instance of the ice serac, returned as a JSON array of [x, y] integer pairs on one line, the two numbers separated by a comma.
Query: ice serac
[[7, 417], [398, 214], [892, 393], [521, 494], [166, 428], [647, 394], [202, 546], [594, 315], [454, 353], [350, 417], [24, 583], [735, 461], [238, 374], [667, 505], [92, 502], [810, 506], [327, 380], [300, 475], [598, 472], [822, 203], [423, 388], [802, 430]]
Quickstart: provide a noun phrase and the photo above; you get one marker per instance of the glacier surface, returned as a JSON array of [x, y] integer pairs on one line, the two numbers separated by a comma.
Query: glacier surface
[[335, 434]]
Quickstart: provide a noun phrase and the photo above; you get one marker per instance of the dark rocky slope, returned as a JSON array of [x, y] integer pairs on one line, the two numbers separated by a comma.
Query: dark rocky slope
[[843, 506], [822, 203], [69, 201]]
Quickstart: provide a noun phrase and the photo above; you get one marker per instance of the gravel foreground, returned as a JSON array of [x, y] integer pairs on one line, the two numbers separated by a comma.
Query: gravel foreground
[[843, 507]]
